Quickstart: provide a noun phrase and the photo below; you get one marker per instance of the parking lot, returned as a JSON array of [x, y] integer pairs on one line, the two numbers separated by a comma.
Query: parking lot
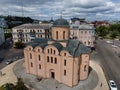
[[9, 55]]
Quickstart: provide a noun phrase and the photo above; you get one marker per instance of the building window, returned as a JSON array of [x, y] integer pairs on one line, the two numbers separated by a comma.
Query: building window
[[64, 62], [31, 64], [51, 59], [48, 50], [85, 68], [64, 35], [54, 51], [56, 34], [29, 49], [39, 57], [39, 66], [30, 56], [64, 72], [64, 54], [38, 50], [85, 32], [51, 50], [82, 32], [47, 58], [55, 60]]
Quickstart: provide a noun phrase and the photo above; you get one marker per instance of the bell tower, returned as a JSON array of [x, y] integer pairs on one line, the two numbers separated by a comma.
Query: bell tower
[[60, 30]]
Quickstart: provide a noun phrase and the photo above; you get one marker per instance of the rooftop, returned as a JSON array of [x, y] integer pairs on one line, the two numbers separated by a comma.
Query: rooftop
[[32, 26], [61, 22], [74, 47]]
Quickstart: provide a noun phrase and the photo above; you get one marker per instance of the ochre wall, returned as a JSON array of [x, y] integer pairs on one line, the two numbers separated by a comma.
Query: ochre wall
[[60, 31]]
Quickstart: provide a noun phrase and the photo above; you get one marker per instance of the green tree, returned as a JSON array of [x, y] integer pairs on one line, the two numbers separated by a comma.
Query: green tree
[[19, 45], [102, 31], [20, 85], [114, 34]]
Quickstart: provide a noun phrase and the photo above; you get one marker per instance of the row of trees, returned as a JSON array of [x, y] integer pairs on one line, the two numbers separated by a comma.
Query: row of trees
[[113, 31]]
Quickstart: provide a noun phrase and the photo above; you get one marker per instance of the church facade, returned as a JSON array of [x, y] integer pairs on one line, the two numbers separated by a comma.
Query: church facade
[[60, 58]]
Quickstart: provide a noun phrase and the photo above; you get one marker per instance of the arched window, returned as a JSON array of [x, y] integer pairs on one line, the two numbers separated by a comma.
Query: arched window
[[51, 59], [55, 60], [64, 35], [65, 62], [47, 58], [30, 56], [31, 64], [39, 57], [48, 50], [64, 54], [30, 49], [39, 66], [64, 72], [85, 68], [51, 50], [38, 50], [54, 51], [56, 34]]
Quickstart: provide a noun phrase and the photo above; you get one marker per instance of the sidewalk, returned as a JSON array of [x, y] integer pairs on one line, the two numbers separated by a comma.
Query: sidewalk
[[102, 84], [7, 75]]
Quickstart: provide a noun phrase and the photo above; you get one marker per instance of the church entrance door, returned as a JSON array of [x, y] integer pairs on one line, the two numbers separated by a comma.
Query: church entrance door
[[52, 73]]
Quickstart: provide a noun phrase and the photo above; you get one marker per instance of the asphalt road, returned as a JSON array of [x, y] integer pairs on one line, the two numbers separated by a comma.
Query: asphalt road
[[9, 53], [105, 55]]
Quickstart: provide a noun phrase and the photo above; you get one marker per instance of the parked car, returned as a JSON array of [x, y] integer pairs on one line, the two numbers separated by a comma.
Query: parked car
[[112, 85], [109, 42], [114, 46], [8, 61]]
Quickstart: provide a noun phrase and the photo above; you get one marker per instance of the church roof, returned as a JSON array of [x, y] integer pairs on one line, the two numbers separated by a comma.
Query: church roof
[[61, 22], [74, 47]]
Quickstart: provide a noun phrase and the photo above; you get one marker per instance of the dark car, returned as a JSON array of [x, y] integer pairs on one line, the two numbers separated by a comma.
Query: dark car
[[8, 61]]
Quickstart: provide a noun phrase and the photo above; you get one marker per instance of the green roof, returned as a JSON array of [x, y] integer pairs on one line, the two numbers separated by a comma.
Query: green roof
[[74, 47], [61, 23]]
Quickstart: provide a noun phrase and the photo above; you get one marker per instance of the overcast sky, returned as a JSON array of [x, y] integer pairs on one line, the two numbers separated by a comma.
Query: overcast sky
[[45, 9]]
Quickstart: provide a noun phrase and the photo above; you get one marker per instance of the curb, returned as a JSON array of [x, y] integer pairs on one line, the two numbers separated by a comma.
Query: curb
[[102, 84]]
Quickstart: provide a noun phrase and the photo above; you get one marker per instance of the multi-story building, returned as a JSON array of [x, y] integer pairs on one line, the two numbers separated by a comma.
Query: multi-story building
[[84, 33], [28, 32], [60, 58], [77, 20], [2, 37]]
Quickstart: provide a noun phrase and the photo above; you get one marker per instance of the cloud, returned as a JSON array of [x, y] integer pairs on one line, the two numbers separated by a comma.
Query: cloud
[[45, 9]]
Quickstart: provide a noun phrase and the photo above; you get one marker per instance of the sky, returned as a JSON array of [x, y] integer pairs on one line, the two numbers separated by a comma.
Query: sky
[[45, 9]]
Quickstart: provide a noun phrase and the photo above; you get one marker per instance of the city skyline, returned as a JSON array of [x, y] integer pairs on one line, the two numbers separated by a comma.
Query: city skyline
[[45, 9]]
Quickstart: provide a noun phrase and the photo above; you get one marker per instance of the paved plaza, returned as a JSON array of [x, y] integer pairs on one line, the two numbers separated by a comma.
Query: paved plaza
[[95, 81]]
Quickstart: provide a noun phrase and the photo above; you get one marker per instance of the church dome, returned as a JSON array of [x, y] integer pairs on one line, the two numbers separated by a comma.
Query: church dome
[[61, 22]]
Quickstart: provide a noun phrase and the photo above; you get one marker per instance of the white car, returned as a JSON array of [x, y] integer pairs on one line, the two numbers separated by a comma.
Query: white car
[[114, 46], [112, 85], [110, 42]]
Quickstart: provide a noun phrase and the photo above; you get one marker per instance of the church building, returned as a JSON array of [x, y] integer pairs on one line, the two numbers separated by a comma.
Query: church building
[[60, 58]]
